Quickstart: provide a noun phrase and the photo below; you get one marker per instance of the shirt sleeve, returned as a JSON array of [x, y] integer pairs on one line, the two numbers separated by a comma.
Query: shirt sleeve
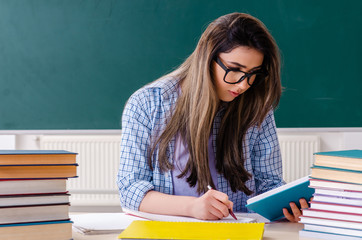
[[134, 175], [266, 157]]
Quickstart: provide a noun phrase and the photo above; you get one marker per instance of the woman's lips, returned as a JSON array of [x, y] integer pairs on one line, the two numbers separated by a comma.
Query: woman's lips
[[234, 94]]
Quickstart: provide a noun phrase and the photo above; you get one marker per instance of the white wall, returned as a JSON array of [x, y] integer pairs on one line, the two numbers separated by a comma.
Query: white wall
[[7, 142], [29, 139], [331, 139], [352, 140]]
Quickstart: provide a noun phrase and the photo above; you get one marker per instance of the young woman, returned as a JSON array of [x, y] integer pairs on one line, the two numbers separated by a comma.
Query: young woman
[[210, 122]]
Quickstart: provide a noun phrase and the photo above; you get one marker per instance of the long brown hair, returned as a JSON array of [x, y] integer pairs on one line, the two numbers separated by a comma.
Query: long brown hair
[[198, 104]]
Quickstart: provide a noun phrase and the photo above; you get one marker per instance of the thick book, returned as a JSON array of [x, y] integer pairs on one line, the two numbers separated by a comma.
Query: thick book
[[337, 174], [320, 183], [32, 186], [330, 222], [336, 207], [324, 235], [35, 213], [334, 230], [192, 230], [270, 204], [33, 199], [55, 230], [318, 213], [338, 193], [38, 171], [27, 157], [348, 159], [337, 200]]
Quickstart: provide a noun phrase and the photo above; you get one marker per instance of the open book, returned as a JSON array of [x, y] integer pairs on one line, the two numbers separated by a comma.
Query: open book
[[108, 223], [270, 204], [242, 217]]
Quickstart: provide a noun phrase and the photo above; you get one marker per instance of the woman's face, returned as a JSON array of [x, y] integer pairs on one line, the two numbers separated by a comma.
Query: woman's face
[[242, 58]]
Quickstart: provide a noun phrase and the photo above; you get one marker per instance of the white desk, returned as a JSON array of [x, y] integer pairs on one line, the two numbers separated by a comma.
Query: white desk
[[273, 231]]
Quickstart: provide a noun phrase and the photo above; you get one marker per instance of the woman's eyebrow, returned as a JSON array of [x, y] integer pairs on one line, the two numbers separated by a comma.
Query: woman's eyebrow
[[242, 66]]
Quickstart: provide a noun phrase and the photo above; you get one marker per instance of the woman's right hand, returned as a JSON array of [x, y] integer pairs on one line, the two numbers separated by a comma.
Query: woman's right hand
[[213, 205]]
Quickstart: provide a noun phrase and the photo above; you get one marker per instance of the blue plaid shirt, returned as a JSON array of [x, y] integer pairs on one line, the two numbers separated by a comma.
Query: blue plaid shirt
[[145, 116]]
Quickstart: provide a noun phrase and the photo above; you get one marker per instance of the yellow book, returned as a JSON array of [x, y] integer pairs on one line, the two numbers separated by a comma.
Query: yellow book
[[193, 230]]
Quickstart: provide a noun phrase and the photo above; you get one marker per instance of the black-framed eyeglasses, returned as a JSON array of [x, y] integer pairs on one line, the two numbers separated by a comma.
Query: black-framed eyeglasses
[[235, 76]]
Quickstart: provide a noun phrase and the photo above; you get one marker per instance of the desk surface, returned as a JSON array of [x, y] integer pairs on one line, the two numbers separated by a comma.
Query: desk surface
[[273, 231]]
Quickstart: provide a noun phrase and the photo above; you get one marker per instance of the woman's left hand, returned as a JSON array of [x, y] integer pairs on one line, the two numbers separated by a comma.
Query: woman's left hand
[[296, 212]]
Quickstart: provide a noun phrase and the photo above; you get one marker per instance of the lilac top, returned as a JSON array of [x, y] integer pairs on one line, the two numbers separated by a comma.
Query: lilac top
[[180, 185], [145, 116]]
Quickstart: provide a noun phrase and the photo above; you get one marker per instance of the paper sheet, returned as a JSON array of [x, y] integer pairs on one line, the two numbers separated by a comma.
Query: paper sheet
[[101, 223], [242, 217], [107, 223]]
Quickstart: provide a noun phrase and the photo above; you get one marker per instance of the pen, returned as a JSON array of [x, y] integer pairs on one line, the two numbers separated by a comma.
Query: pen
[[230, 211]]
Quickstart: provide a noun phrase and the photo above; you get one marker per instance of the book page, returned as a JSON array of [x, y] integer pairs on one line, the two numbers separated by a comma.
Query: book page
[[242, 217], [103, 223], [100, 223], [278, 189]]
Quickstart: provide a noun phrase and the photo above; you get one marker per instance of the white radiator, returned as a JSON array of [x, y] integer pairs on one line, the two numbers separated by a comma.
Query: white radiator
[[297, 155], [98, 159]]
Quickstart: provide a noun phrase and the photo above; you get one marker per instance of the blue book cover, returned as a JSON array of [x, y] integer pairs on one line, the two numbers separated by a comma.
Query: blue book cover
[[345, 153], [270, 204], [33, 152], [35, 223], [336, 169]]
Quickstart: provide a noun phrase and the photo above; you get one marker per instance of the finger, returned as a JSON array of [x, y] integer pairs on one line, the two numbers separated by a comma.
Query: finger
[[221, 207], [216, 207], [215, 213], [231, 206], [287, 215], [222, 197], [303, 203], [295, 210]]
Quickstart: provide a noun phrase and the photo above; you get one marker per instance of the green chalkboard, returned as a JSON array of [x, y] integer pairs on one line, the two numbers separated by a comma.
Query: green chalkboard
[[72, 64]]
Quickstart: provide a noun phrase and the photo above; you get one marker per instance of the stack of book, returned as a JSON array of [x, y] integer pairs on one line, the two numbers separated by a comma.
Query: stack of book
[[34, 201], [336, 208]]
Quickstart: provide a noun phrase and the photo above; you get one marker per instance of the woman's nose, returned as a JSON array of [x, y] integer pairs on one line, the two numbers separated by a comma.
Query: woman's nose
[[242, 86]]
